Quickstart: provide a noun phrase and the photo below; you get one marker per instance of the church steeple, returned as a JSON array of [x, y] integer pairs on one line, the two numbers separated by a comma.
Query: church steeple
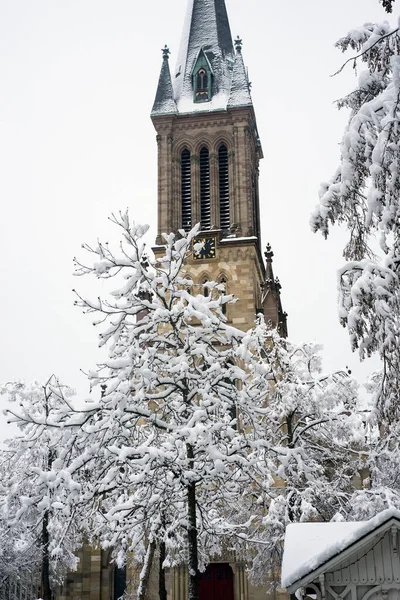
[[209, 74], [206, 32], [208, 163]]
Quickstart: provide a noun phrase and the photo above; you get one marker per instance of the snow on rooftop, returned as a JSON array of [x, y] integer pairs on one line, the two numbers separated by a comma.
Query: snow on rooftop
[[239, 239], [240, 89], [309, 545], [164, 102], [206, 28], [187, 105]]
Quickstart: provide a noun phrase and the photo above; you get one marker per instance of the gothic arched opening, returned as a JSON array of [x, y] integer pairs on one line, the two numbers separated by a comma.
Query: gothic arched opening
[[224, 207], [222, 280], [202, 85], [186, 190], [205, 189]]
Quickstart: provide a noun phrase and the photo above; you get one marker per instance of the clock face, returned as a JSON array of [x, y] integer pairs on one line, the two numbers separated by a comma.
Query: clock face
[[204, 248]]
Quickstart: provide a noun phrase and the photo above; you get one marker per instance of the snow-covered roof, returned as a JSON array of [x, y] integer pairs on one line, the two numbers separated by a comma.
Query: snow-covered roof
[[240, 88], [164, 102], [206, 28], [240, 239], [310, 545]]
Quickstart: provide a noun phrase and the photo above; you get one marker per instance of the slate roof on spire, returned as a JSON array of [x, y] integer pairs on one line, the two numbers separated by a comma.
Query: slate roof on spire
[[164, 103], [206, 27], [207, 31], [240, 88]]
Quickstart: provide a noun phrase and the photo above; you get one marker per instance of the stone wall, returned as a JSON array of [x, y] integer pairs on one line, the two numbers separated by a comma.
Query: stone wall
[[234, 128]]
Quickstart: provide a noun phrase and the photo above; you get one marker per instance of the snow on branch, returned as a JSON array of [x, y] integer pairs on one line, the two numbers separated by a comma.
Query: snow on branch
[[363, 196]]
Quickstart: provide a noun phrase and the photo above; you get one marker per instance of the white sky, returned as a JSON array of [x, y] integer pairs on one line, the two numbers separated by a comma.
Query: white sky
[[77, 83]]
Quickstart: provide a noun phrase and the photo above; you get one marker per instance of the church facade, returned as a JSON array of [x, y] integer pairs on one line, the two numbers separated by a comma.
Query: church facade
[[209, 151]]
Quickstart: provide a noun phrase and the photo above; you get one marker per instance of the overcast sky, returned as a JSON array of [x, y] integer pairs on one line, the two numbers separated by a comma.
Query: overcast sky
[[77, 83]]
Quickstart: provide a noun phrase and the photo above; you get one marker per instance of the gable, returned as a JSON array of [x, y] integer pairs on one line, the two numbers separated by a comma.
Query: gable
[[377, 562], [343, 555], [202, 61]]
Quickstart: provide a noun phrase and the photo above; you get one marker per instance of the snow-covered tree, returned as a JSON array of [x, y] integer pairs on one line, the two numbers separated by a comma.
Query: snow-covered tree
[[314, 424], [198, 437], [175, 439], [364, 197], [203, 437], [34, 514], [380, 488], [19, 556]]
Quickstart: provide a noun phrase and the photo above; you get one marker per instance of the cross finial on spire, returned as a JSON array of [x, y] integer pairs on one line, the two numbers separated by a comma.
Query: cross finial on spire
[[238, 44], [165, 52], [269, 255]]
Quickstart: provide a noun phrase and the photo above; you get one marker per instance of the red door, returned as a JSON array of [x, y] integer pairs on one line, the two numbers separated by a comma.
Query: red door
[[216, 583]]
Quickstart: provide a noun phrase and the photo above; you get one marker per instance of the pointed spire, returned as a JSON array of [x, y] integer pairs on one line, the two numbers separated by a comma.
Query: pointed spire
[[164, 102], [271, 300], [206, 27], [269, 273], [240, 88]]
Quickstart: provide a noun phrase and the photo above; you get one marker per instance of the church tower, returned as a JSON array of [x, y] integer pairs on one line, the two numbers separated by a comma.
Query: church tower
[[208, 167], [208, 164]]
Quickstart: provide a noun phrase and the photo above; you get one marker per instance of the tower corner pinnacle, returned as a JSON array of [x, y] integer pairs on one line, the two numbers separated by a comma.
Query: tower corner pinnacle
[[240, 92], [271, 296], [164, 103]]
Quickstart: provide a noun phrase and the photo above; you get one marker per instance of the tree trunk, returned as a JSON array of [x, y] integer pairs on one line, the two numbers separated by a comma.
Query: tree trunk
[[162, 590], [192, 532], [46, 588], [145, 573]]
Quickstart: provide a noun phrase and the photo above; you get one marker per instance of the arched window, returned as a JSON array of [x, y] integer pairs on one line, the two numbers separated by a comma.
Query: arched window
[[189, 280], [224, 208], [202, 80], [186, 190], [206, 289], [202, 85], [224, 307], [205, 190]]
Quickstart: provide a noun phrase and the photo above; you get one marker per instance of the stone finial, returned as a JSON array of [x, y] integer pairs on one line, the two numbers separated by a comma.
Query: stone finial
[[269, 255], [238, 44], [166, 52]]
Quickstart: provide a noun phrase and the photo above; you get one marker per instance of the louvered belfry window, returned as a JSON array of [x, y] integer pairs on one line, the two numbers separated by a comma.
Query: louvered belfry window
[[205, 190], [186, 190], [224, 209]]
